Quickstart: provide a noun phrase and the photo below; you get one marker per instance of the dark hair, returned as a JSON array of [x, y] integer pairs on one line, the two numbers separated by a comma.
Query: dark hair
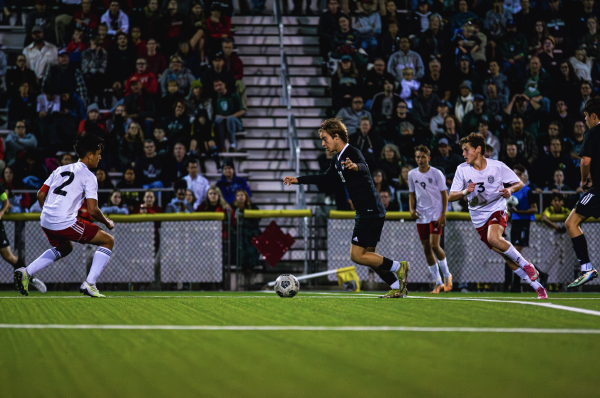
[[474, 140], [335, 128], [193, 160], [558, 196], [519, 167], [148, 141], [422, 148], [227, 40], [87, 143], [593, 107]]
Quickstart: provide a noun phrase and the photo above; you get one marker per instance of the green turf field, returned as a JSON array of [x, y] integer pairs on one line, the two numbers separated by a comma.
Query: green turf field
[[506, 352]]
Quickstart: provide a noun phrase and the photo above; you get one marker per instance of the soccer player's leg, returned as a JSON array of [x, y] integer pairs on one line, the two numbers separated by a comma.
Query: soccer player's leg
[[13, 260], [424, 236], [105, 243], [439, 253], [573, 224]]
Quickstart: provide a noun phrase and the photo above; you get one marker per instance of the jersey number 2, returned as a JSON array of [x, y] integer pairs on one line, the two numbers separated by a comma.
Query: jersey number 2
[[58, 190]]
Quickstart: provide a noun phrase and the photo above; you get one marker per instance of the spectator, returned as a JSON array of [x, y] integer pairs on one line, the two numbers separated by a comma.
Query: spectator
[[425, 106], [392, 131], [368, 23], [139, 105], [215, 203], [384, 103], [178, 126], [436, 123], [351, 116], [116, 20], [470, 121], [229, 111], [218, 27], [190, 197], [229, 183], [367, 141], [585, 95], [205, 139], [374, 80], [408, 140], [576, 141], [440, 86], [446, 161], [165, 105], [76, 46], [520, 106], [524, 18], [420, 18], [161, 141], [408, 86], [42, 19], [550, 61], [48, 104], [65, 77], [538, 34], [30, 170], [556, 20], [496, 19], [170, 28], [147, 18], [462, 16], [490, 139], [121, 60], [500, 81], [132, 145], [511, 156], [8, 182], [84, 18], [556, 209], [591, 39], [148, 207], [156, 61], [402, 196], [18, 75], [380, 181], [137, 41], [390, 161], [196, 30], [389, 203], [143, 75], [22, 107], [405, 58], [538, 84], [345, 83], [328, 21], [558, 184], [465, 73], [177, 72], [218, 72], [249, 229], [513, 50], [18, 142], [94, 61], [233, 63], [130, 198], [148, 168], [115, 204], [582, 65], [581, 18], [103, 183], [471, 43], [524, 141], [195, 182], [557, 160], [464, 102], [564, 119], [107, 41], [178, 204], [347, 41], [198, 99], [40, 54]]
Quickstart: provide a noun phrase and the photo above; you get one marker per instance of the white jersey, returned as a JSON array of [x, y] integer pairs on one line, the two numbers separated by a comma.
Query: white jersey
[[68, 187], [428, 189], [485, 199]]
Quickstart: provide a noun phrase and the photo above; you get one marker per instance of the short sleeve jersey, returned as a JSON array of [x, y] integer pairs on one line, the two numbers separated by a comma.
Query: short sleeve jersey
[[428, 189], [485, 199], [67, 186]]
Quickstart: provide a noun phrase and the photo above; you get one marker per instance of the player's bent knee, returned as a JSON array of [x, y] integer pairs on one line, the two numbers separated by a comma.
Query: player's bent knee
[[65, 249]]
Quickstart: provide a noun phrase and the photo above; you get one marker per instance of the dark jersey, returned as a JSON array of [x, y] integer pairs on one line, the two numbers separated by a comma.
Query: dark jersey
[[591, 148], [359, 184]]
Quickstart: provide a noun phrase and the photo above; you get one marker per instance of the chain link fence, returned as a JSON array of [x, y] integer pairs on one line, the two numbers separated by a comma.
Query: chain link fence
[[469, 259]]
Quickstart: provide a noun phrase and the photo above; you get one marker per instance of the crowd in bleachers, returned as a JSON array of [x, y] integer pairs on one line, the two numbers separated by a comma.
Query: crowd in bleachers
[[159, 81], [429, 72]]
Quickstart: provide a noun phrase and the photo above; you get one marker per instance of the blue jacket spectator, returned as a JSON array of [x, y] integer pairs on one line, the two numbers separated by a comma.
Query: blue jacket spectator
[[230, 183]]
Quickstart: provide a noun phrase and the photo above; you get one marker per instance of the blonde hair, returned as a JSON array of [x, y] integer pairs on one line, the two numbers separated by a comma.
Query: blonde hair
[[220, 201]]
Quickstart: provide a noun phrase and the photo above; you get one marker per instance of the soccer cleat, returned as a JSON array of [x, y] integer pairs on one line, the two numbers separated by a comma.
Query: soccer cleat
[[584, 277], [448, 283], [542, 294], [90, 290], [38, 284], [531, 272], [22, 281], [396, 293], [437, 289], [402, 274]]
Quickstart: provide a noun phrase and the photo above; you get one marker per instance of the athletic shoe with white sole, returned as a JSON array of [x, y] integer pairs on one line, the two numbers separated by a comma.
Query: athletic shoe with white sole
[[22, 281], [90, 289], [584, 277], [531, 272], [542, 294], [448, 283], [437, 289], [396, 293], [402, 274], [38, 284]]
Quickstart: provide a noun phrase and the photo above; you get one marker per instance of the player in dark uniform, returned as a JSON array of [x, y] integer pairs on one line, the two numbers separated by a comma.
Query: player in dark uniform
[[349, 165], [5, 250], [589, 204]]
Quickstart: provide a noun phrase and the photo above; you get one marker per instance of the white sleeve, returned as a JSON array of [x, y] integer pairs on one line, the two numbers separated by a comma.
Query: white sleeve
[[508, 176], [90, 186], [411, 183], [48, 181], [458, 183], [441, 180]]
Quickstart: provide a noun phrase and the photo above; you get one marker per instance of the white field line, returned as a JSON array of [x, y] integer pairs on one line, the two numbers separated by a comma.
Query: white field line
[[304, 328]]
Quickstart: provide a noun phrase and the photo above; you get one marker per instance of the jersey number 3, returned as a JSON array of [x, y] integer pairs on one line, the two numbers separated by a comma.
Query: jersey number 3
[[58, 190]]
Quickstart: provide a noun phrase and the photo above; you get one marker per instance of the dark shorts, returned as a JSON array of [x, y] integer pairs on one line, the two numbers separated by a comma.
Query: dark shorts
[[82, 232], [589, 204], [4, 242], [519, 232], [367, 231]]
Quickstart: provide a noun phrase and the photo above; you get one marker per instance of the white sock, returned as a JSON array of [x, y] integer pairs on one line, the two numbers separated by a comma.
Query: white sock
[[395, 266], [514, 255], [395, 285], [435, 273], [444, 267], [47, 258], [523, 275], [101, 257], [586, 267], [535, 285]]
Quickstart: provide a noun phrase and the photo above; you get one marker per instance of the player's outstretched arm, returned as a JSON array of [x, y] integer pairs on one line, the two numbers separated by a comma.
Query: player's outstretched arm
[[458, 195], [290, 180], [95, 211]]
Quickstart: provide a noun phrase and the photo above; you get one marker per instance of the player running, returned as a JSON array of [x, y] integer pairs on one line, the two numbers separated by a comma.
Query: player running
[[370, 213], [589, 204], [482, 181], [428, 184], [63, 193]]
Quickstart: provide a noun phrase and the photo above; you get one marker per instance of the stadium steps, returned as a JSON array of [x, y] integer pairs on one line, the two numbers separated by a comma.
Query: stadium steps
[[266, 121]]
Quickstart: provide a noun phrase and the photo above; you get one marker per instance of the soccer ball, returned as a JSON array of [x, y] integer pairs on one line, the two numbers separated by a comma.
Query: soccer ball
[[512, 202], [287, 285]]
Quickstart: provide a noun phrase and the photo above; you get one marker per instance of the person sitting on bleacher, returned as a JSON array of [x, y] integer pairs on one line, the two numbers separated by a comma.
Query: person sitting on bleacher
[[144, 76], [368, 23], [116, 20], [19, 74], [40, 54], [229, 183], [121, 60], [208, 142], [352, 115], [169, 29], [94, 61], [115, 204], [156, 61], [218, 71], [86, 19], [178, 204], [229, 111], [18, 142], [22, 107], [149, 167], [177, 124], [328, 22], [176, 164], [43, 18], [65, 76], [199, 99], [405, 58], [177, 72], [140, 105], [195, 182]]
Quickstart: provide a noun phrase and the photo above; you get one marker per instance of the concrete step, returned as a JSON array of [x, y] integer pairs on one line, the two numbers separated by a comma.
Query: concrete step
[[274, 50], [296, 102], [276, 71], [257, 165], [277, 92], [281, 122], [280, 197], [269, 20], [261, 111], [260, 133], [275, 143], [264, 81], [273, 40], [274, 31], [276, 60], [271, 154]]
